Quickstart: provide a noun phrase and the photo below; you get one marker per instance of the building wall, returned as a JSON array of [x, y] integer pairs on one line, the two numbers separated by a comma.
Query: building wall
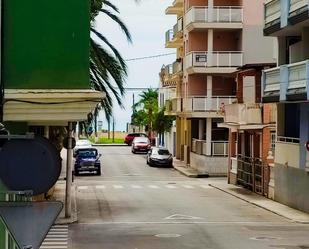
[[226, 41], [223, 86], [197, 85], [213, 166], [291, 187], [190, 3], [45, 49], [253, 35], [227, 2], [197, 41]]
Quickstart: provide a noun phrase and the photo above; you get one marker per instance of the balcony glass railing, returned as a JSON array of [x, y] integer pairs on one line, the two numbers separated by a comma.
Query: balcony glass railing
[[222, 14], [297, 4], [272, 11], [214, 59], [178, 27], [169, 35], [218, 148], [202, 103]]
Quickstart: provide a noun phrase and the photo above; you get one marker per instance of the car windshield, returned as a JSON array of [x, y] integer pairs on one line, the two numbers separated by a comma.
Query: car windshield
[[163, 152], [142, 140], [87, 153]]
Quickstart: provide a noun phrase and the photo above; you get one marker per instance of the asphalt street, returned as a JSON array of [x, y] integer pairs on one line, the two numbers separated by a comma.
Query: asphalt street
[[134, 206]]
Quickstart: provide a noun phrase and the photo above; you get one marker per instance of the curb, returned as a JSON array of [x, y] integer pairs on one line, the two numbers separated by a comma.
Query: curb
[[260, 206], [190, 174]]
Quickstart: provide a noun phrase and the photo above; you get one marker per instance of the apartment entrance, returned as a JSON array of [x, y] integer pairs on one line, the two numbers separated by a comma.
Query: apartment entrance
[[252, 173]]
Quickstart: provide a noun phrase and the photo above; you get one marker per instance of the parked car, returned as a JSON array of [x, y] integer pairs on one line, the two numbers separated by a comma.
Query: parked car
[[158, 156], [82, 144], [129, 137], [140, 144], [87, 159]]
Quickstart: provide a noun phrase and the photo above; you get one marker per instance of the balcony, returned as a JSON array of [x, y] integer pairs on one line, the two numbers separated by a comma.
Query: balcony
[[218, 148], [287, 151], [208, 104], [173, 37], [172, 74], [243, 114], [213, 62], [287, 82], [218, 17], [172, 106], [277, 18], [176, 8]]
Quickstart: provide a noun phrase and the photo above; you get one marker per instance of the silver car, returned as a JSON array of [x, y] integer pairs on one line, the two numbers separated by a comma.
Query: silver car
[[158, 156]]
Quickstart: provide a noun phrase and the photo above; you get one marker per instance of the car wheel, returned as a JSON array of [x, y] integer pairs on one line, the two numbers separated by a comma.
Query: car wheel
[[99, 172], [133, 151], [76, 172]]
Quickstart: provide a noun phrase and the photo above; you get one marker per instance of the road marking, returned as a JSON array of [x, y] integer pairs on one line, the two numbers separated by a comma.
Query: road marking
[[153, 186], [170, 186], [188, 186], [82, 187], [182, 217], [100, 187], [135, 186], [117, 186], [206, 186], [57, 237]]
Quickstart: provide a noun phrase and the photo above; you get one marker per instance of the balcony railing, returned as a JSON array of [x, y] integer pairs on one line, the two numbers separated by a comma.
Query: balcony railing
[[224, 14], [272, 12], [292, 79], [177, 67], [218, 148], [203, 104], [178, 27], [169, 35], [168, 70], [297, 4], [272, 81], [173, 105], [243, 114], [214, 59]]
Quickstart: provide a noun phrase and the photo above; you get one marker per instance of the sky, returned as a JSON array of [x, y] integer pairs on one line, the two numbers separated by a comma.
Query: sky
[[147, 23]]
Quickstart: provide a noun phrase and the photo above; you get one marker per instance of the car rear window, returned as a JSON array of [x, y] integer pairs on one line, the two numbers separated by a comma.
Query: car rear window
[[163, 152], [141, 140]]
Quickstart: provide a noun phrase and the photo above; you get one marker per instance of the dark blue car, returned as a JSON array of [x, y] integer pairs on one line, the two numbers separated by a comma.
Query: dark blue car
[[88, 160]]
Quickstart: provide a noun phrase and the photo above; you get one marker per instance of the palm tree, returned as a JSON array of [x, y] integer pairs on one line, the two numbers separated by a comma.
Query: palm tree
[[148, 104], [106, 63]]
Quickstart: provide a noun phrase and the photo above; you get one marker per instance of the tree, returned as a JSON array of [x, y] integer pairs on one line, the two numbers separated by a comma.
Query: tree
[[145, 109], [162, 123], [106, 64]]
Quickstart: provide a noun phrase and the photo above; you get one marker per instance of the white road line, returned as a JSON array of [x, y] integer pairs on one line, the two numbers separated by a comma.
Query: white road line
[[188, 186], [55, 239], [153, 186], [82, 187], [100, 187], [47, 243], [206, 186], [170, 186], [56, 236], [57, 233], [117, 186], [54, 247], [135, 186], [58, 229], [60, 226]]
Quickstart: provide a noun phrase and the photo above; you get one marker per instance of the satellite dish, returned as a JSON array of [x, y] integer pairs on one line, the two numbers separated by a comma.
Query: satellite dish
[[29, 164]]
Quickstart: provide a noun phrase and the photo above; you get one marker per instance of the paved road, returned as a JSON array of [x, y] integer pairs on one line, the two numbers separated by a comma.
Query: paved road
[[134, 206]]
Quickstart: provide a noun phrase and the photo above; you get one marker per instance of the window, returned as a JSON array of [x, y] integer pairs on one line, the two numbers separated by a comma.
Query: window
[[272, 141]]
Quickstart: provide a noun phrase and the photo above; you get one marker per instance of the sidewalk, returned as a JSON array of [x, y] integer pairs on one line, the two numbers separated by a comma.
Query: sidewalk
[[261, 201], [185, 170]]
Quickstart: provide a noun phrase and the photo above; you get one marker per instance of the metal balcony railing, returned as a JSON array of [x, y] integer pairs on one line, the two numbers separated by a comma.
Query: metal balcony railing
[[178, 27], [169, 35], [297, 5], [220, 14], [203, 104], [214, 59], [292, 140]]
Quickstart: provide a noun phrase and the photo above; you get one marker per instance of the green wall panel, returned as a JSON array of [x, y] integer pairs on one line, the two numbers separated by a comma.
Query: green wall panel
[[46, 44]]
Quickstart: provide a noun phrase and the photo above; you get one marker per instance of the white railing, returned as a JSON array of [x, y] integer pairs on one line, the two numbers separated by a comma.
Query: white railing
[[202, 103], [177, 67], [272, 80], [168, 70], [297, 4], [169, 35], [178, 27], [222, 14], [272, 11], [214, 59], [298, 75], [243, 114], [220, 148]]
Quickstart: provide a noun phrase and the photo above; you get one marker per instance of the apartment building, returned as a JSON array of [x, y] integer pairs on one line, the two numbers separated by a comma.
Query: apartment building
[[219, 36], [288, 86]]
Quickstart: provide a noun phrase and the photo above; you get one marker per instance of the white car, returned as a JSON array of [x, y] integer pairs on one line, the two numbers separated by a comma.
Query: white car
[[82, 144], [140, 144]]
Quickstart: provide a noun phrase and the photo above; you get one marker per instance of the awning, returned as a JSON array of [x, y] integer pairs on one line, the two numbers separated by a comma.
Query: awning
[[235, 126], [49, 106], [29, 222]]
